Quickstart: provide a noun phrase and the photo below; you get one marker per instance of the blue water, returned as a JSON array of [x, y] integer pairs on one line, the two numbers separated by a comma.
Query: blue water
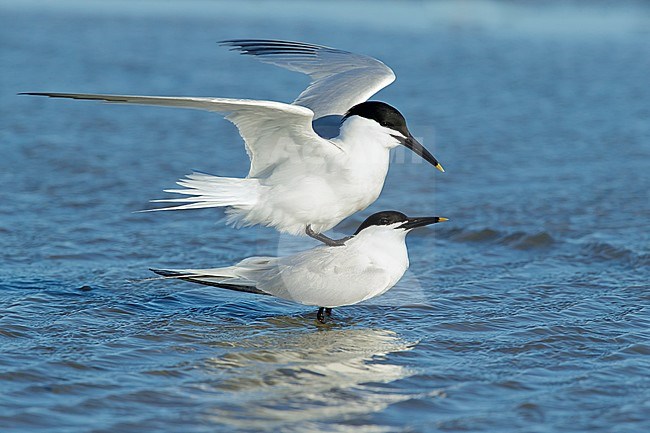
[[526, 312]]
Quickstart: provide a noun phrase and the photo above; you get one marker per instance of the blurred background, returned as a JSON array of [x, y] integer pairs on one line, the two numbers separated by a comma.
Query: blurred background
[[527, 311]]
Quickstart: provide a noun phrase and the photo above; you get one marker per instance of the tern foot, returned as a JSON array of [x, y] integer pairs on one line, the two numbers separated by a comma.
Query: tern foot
[[326, 240], [322, 312]]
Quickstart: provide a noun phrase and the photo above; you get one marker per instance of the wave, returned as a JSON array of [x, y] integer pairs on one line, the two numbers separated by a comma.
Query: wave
[[518, 240], [583, 249], [603, 251]]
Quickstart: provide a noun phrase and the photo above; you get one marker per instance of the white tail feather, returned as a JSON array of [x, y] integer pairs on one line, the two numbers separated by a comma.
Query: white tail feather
[[205, 190]]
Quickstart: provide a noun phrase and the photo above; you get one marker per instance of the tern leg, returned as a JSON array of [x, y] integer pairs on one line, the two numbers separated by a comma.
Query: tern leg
[[324, 239], [320, 316]]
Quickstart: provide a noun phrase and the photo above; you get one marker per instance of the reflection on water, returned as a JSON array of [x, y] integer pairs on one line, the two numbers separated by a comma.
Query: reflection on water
[[309, 375]]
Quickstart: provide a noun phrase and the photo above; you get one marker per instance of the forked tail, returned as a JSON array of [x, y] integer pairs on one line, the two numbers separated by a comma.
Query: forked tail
[[205, 190]]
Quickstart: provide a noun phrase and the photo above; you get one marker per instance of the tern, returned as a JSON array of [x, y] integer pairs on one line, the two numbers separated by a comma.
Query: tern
[[313, 162], [368, 264]]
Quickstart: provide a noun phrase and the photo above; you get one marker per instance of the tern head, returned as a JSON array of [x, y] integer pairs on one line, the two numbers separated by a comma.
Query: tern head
[[393, 123], [396, 221]]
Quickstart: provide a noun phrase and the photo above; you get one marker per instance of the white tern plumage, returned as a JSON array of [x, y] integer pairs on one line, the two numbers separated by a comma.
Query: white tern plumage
[[367, 264], [313, 162]]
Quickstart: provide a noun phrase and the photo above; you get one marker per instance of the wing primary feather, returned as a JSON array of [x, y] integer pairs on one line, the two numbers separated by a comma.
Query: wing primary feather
[[268, 50], [270, 42], [197, 279], [340, 79]]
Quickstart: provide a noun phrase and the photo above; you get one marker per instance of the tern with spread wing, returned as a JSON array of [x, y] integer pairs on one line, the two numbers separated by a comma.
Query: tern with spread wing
[[313, 162], [367, 264]]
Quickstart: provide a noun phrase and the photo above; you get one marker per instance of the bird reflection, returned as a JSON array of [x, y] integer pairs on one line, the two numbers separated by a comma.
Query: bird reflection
[[307, 376]]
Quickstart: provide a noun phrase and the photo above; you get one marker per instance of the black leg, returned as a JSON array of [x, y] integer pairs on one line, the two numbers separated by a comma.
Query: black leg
[[324, 239], [328, 311], [320, 316]]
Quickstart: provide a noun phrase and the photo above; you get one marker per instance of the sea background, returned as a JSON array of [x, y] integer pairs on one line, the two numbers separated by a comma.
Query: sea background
[[526, 312]]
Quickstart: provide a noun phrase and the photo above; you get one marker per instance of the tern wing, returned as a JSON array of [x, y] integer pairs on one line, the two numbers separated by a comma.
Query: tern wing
[[273, 131], [324, 276], [211, 277], [321, 276], [340, 79], [242, 277]]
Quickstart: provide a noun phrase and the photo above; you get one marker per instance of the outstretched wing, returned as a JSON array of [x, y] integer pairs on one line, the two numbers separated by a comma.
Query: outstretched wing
[[340, 79], [273, 131]]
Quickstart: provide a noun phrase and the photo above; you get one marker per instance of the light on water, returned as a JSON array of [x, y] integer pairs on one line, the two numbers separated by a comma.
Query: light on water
[[527, 311], [328, 375]]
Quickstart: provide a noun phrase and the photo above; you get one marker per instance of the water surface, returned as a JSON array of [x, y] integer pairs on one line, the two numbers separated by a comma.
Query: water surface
[[528, 311]]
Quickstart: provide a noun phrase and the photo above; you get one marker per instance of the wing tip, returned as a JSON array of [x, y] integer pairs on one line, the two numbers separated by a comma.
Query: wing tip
[[34, 93], [81, 96], [164, 272], [253, 46]]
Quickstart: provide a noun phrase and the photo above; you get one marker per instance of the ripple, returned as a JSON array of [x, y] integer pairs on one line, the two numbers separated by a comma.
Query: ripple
[[603, 251], [586, 249], [518, 240]]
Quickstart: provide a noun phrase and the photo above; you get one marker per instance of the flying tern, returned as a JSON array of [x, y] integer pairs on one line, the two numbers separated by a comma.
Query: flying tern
[[367, 264], [299, 182]]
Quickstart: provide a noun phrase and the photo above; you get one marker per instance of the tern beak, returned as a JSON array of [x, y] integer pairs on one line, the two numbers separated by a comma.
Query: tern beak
[[412, 223], [416, 147]]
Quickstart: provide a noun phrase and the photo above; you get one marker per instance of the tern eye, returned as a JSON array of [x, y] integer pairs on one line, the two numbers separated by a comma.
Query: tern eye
[[384, 221]]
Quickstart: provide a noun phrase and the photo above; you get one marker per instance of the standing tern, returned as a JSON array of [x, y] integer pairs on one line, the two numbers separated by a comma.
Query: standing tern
[[299, 182], [368, 264]]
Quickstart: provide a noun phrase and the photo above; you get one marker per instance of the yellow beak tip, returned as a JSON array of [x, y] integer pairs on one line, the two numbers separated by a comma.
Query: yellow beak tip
[[439, 167], [443, 219]]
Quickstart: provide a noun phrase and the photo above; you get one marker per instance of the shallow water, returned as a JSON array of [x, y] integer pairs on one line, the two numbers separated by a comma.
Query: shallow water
[[528, 311]]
